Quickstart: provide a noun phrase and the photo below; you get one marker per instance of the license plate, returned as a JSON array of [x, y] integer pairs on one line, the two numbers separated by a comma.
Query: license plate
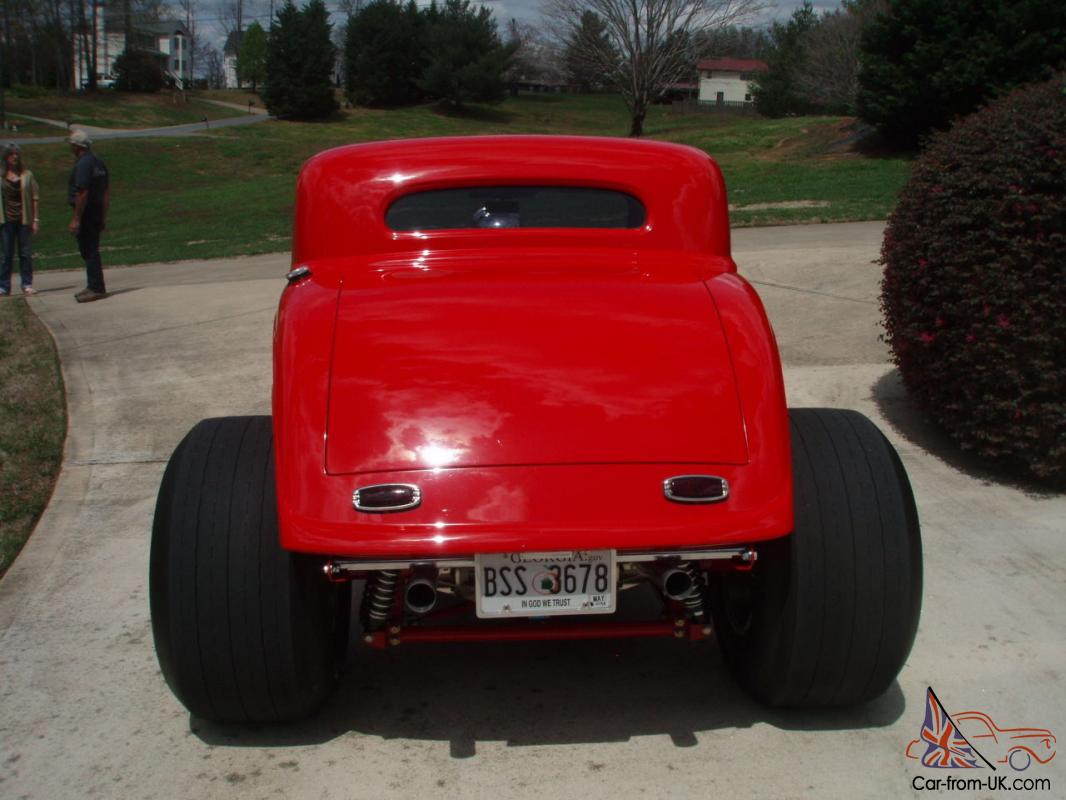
[[545, 584]]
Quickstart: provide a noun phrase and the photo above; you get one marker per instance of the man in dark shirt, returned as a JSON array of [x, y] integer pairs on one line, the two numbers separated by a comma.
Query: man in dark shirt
[[89, 195]]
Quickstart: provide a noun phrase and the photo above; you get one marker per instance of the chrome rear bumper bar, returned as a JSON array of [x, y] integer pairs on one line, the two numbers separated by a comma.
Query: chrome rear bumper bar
[[339, 568]]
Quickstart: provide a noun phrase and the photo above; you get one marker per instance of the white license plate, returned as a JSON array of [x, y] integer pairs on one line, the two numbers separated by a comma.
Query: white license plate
[[545, 584]]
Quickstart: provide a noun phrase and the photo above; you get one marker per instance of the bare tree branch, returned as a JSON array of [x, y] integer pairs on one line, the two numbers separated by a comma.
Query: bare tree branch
[[650, 44]]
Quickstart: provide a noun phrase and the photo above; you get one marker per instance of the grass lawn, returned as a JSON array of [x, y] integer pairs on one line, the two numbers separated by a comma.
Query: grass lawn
[[110, 109], [20, 128], [33, 423], [230, 191]]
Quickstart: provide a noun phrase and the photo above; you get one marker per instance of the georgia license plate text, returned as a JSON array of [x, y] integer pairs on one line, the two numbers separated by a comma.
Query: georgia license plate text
[[542, 584]]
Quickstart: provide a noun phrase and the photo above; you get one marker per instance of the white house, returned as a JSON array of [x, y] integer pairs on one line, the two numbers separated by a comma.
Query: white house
[[229, 59], [167, 39], [727, 81]]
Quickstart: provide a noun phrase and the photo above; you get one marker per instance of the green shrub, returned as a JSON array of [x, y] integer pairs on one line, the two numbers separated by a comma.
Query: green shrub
[[974, 288], [138, 71]]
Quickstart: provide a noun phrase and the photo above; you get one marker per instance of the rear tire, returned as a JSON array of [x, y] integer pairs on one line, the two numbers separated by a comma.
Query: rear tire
[[244, 630], [828, 614]]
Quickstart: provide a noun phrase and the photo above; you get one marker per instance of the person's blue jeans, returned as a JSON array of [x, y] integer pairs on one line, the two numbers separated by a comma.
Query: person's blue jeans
[[16, 232], [89, 247]]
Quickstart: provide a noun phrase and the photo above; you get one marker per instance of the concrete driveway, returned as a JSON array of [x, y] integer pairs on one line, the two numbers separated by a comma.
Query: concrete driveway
[[84, 711]]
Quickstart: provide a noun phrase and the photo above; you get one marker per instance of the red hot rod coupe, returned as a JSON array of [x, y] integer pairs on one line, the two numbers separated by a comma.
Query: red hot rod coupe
[[514, 378]]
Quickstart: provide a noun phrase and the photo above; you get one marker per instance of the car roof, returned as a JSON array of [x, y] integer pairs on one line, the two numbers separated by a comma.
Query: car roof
[[343, 193]]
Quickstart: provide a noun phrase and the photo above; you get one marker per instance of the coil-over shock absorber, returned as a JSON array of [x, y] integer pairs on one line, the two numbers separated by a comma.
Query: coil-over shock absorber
[[693, 601], [378, 598]]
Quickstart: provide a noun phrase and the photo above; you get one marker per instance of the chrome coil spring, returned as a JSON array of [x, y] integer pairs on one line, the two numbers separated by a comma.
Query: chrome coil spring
[[379, 597], [693, 601]]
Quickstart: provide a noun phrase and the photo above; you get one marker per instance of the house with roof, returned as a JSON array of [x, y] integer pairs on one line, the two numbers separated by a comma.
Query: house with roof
[[230, 50], [727, 81], [168, 40]]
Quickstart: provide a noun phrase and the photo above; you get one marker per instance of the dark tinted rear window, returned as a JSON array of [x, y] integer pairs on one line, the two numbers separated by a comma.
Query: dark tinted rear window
[[515, 207]]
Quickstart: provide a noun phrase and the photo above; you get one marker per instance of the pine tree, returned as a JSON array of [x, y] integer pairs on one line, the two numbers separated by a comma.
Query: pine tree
[[466, 61], [925, 62], [384, 54], [251, 62], [775, 90], [582, 69], [299, 63]]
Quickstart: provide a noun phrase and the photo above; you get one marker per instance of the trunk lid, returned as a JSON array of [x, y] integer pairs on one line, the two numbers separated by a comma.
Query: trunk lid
[[500, 365]]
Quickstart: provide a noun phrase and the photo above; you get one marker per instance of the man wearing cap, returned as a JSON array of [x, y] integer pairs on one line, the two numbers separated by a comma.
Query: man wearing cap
[[89, 195]]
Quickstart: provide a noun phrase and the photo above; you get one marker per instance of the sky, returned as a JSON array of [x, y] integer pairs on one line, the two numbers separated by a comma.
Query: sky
[[523, 10], [528, 10]]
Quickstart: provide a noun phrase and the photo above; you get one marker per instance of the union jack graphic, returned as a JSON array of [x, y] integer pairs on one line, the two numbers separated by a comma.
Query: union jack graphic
[[946, 747]]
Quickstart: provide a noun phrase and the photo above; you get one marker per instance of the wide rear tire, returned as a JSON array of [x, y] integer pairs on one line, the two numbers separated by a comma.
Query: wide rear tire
[[828, 614], [244, 631]]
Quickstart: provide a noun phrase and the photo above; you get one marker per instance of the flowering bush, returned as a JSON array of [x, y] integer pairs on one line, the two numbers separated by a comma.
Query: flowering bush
[[974, 287]]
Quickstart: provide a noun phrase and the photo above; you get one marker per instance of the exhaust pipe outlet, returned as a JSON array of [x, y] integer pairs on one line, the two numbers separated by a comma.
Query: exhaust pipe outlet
[[677, 583], [420, 595]]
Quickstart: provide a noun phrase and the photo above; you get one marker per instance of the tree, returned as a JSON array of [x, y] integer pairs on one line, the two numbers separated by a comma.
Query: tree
[[734, 42], [828, 73], [214, 66], [251, 61], [189, 7], [383, 53], [138, 71], [926, 62], [587, 50], [655, 41], [776, 92], [231, 21], [299, 63], [465, 59], [535, 59]]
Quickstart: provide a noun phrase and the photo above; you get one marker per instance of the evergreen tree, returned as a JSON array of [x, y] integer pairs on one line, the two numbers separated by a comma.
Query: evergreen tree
[[138, 71], [299, 63], [251, 63], [384, 54], [583, 68], [466, 61], [775, 90], [926, 62], [735, 42]]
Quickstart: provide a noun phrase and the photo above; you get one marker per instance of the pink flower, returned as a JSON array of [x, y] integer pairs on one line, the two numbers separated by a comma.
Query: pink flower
[[940, 322], [1003, 320], [970, 338], [926, 337], [938, 190]]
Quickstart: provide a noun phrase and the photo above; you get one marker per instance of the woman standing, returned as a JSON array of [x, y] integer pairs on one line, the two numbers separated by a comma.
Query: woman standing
[[20, 200]]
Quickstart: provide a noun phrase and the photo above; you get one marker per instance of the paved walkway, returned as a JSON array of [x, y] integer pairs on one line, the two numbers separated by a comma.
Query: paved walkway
[[84, 711], [186, 129]]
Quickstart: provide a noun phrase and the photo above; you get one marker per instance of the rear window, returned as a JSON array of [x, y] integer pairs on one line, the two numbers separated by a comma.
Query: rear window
[[515, 207]]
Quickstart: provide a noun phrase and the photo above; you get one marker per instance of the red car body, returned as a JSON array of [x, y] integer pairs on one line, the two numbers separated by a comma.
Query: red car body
[[516, 378], [539, 385]]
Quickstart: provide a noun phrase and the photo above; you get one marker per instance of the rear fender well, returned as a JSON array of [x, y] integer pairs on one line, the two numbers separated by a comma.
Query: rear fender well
[[760, 386]]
